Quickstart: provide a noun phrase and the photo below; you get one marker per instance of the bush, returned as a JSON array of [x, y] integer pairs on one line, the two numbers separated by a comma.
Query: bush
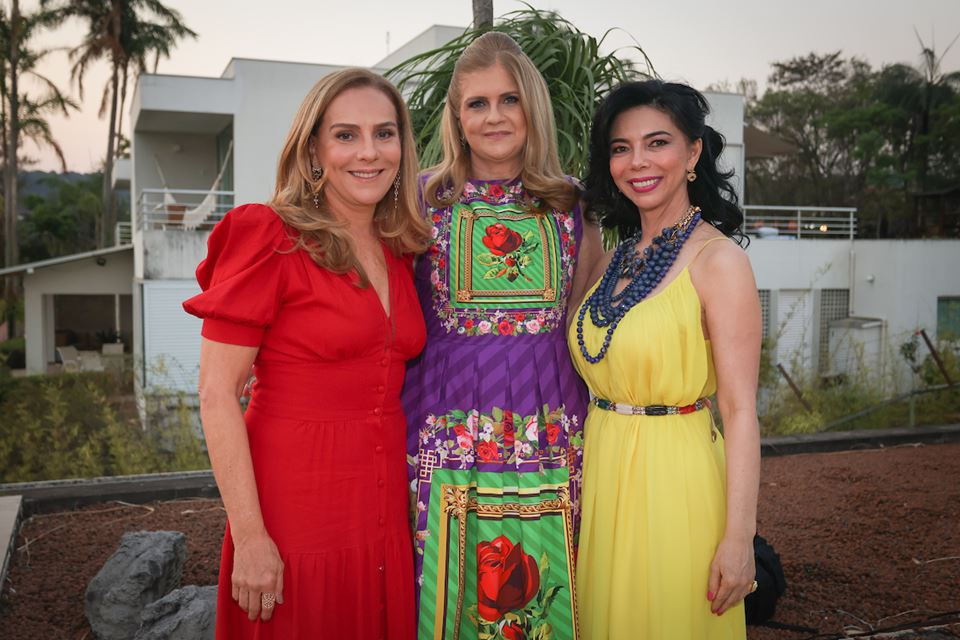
[[66, 427]]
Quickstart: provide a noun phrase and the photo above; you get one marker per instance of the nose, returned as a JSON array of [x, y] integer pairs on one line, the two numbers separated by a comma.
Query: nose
[[638, 159], [494, 115], [368, 149]]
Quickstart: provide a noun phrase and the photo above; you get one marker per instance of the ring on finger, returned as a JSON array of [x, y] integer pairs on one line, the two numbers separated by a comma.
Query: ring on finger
[[267, 600]]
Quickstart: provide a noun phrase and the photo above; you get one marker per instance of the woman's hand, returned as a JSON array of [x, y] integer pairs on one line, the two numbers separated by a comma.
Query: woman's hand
[[257, 569], [732, 573]]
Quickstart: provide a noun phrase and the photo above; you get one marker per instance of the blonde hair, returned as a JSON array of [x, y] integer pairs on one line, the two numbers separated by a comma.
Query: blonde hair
[[541, 174], [321, 234]]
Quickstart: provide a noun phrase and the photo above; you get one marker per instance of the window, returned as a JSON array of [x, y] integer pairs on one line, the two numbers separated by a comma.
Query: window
[[765, 311], [948, 318]]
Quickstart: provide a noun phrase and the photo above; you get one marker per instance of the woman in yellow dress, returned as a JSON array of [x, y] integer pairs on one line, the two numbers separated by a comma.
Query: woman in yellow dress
[[669, 504]]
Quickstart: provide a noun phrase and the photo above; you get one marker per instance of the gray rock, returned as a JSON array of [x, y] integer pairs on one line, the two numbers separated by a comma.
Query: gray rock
[[185, 614], [146, 567]]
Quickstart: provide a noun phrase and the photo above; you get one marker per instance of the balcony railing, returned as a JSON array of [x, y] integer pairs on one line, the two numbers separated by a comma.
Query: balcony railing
[[773, 221], [122, 234], [182, 209]]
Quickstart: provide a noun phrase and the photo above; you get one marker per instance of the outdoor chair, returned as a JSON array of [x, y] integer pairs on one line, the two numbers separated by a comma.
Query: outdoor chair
[[70, 358]]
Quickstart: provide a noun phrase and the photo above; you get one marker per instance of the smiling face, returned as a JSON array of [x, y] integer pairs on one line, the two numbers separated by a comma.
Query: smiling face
[[493, 122], [649, 159], [357, 143]]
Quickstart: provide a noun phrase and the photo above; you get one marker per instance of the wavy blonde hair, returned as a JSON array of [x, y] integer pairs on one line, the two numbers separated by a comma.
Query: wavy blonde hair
[[321, 234], [541, 174]]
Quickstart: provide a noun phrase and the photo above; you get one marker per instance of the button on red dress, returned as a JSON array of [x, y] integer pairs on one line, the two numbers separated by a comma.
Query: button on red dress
[[326, 429]]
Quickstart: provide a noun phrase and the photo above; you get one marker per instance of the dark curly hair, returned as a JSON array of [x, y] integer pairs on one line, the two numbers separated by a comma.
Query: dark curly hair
[[712, 191]]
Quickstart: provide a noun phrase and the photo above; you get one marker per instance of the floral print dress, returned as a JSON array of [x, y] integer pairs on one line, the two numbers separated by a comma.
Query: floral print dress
[[496, 412]]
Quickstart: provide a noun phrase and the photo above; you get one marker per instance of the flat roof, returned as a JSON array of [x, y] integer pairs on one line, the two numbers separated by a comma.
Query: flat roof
[[52, 262]]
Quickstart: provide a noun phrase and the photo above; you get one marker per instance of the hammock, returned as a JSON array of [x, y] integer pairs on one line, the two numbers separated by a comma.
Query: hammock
[[193, 218]]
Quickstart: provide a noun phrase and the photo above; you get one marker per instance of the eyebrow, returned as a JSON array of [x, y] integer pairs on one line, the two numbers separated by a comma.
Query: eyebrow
[[502, 95], [347, 125], [652, 134]]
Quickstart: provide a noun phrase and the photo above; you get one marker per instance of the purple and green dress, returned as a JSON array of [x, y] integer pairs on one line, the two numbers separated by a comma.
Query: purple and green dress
[[496, 415]]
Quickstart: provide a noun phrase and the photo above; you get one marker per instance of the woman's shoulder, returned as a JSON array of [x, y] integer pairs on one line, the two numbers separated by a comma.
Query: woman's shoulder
[[255, 224], [716, 255]]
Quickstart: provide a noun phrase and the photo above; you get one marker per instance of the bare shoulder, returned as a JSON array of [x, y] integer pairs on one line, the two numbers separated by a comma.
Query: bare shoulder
[[720, 261]]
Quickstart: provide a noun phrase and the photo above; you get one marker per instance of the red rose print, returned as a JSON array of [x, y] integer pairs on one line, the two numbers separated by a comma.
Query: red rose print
[[513, 631], [496, 191], [435, 217], [488, 451], [468, 324], [507, 578], [509, 435], [500, 240], [553, 432], [459, 429], [565, 236], [505, 327], [519, 317]]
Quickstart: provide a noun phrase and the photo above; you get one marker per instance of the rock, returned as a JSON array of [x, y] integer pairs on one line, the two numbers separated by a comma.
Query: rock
[[146, 567], [185, 614]]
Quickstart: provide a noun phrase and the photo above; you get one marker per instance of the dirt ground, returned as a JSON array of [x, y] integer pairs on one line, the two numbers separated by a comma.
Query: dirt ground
[[870, 541]]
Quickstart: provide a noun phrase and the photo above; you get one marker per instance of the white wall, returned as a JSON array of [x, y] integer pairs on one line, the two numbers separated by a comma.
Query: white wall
[[899, 281], [269, 94], [171, 337], [726, 116], [173, 253], [76, 277]]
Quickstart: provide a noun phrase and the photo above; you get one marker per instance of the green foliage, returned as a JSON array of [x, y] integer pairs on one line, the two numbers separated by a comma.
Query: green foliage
[[66, 427], [63, 222], [875, 139], [577, 75]]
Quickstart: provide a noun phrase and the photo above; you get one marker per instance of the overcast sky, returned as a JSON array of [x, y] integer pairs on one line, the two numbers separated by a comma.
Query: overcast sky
[[698, 41]]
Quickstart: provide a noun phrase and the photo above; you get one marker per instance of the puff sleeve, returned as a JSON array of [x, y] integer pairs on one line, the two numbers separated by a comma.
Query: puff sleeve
[[242, 278]]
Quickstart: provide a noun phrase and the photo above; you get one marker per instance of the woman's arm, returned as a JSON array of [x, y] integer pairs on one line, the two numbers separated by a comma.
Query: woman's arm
[[731, 307], [588, 258], [257, 567]]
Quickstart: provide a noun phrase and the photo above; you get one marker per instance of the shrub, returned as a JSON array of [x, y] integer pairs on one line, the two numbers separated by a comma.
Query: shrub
[[66, 426]]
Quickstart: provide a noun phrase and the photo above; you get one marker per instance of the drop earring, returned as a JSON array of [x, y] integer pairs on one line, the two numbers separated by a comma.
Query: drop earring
[[691, 175]]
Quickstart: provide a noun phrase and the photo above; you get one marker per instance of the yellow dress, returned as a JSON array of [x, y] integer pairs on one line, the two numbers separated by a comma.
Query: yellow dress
[[653, 486]]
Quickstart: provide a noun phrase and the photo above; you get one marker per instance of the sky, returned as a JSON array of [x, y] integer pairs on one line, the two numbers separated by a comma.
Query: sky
[[697, 41]]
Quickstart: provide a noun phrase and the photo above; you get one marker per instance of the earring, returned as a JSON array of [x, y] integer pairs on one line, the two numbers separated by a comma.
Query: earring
[[691, 175], [317, 172], [316, 200], [396, 191]]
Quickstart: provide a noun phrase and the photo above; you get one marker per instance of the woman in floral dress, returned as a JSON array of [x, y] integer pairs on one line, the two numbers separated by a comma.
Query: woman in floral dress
[[495, 406]]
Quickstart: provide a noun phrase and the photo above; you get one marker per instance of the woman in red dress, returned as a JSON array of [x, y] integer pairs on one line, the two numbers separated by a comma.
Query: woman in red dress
[[314, 291]]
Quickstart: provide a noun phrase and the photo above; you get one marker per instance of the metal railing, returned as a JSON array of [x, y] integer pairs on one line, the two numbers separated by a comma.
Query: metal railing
[[183, 209], [777, 221]]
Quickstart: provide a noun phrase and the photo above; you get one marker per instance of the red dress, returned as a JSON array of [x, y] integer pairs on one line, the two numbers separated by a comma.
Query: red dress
[[326, 429]]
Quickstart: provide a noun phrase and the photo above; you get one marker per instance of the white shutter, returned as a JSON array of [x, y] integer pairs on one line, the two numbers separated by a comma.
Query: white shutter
[[794, 312], [171, 336]]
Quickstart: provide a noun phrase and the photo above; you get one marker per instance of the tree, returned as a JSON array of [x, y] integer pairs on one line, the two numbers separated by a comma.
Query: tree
[[482, 14], [63, 222], [577, 75], [126, 33], [23, 114]]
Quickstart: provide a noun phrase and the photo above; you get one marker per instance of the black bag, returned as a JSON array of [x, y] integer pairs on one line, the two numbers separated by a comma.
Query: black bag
[[771, 583]]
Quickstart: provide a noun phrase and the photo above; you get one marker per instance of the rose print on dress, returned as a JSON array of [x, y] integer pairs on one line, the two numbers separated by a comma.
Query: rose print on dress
[[507, 578], [509, 253], [513, 591]]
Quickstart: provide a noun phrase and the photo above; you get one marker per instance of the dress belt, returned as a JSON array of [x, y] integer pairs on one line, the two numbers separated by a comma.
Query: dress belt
[[649, 410]]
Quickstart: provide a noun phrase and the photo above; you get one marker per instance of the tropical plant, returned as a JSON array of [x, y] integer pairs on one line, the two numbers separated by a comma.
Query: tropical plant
[[23, 115], [577, 75], [126, 33]]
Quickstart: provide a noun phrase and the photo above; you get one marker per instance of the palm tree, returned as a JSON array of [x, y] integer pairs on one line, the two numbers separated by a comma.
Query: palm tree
[[482, 14], [126, 33], [23, 115], [576, 73]]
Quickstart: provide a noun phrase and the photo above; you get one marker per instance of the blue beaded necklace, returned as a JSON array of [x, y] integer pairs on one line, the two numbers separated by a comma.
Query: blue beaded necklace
[[645, 270]]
